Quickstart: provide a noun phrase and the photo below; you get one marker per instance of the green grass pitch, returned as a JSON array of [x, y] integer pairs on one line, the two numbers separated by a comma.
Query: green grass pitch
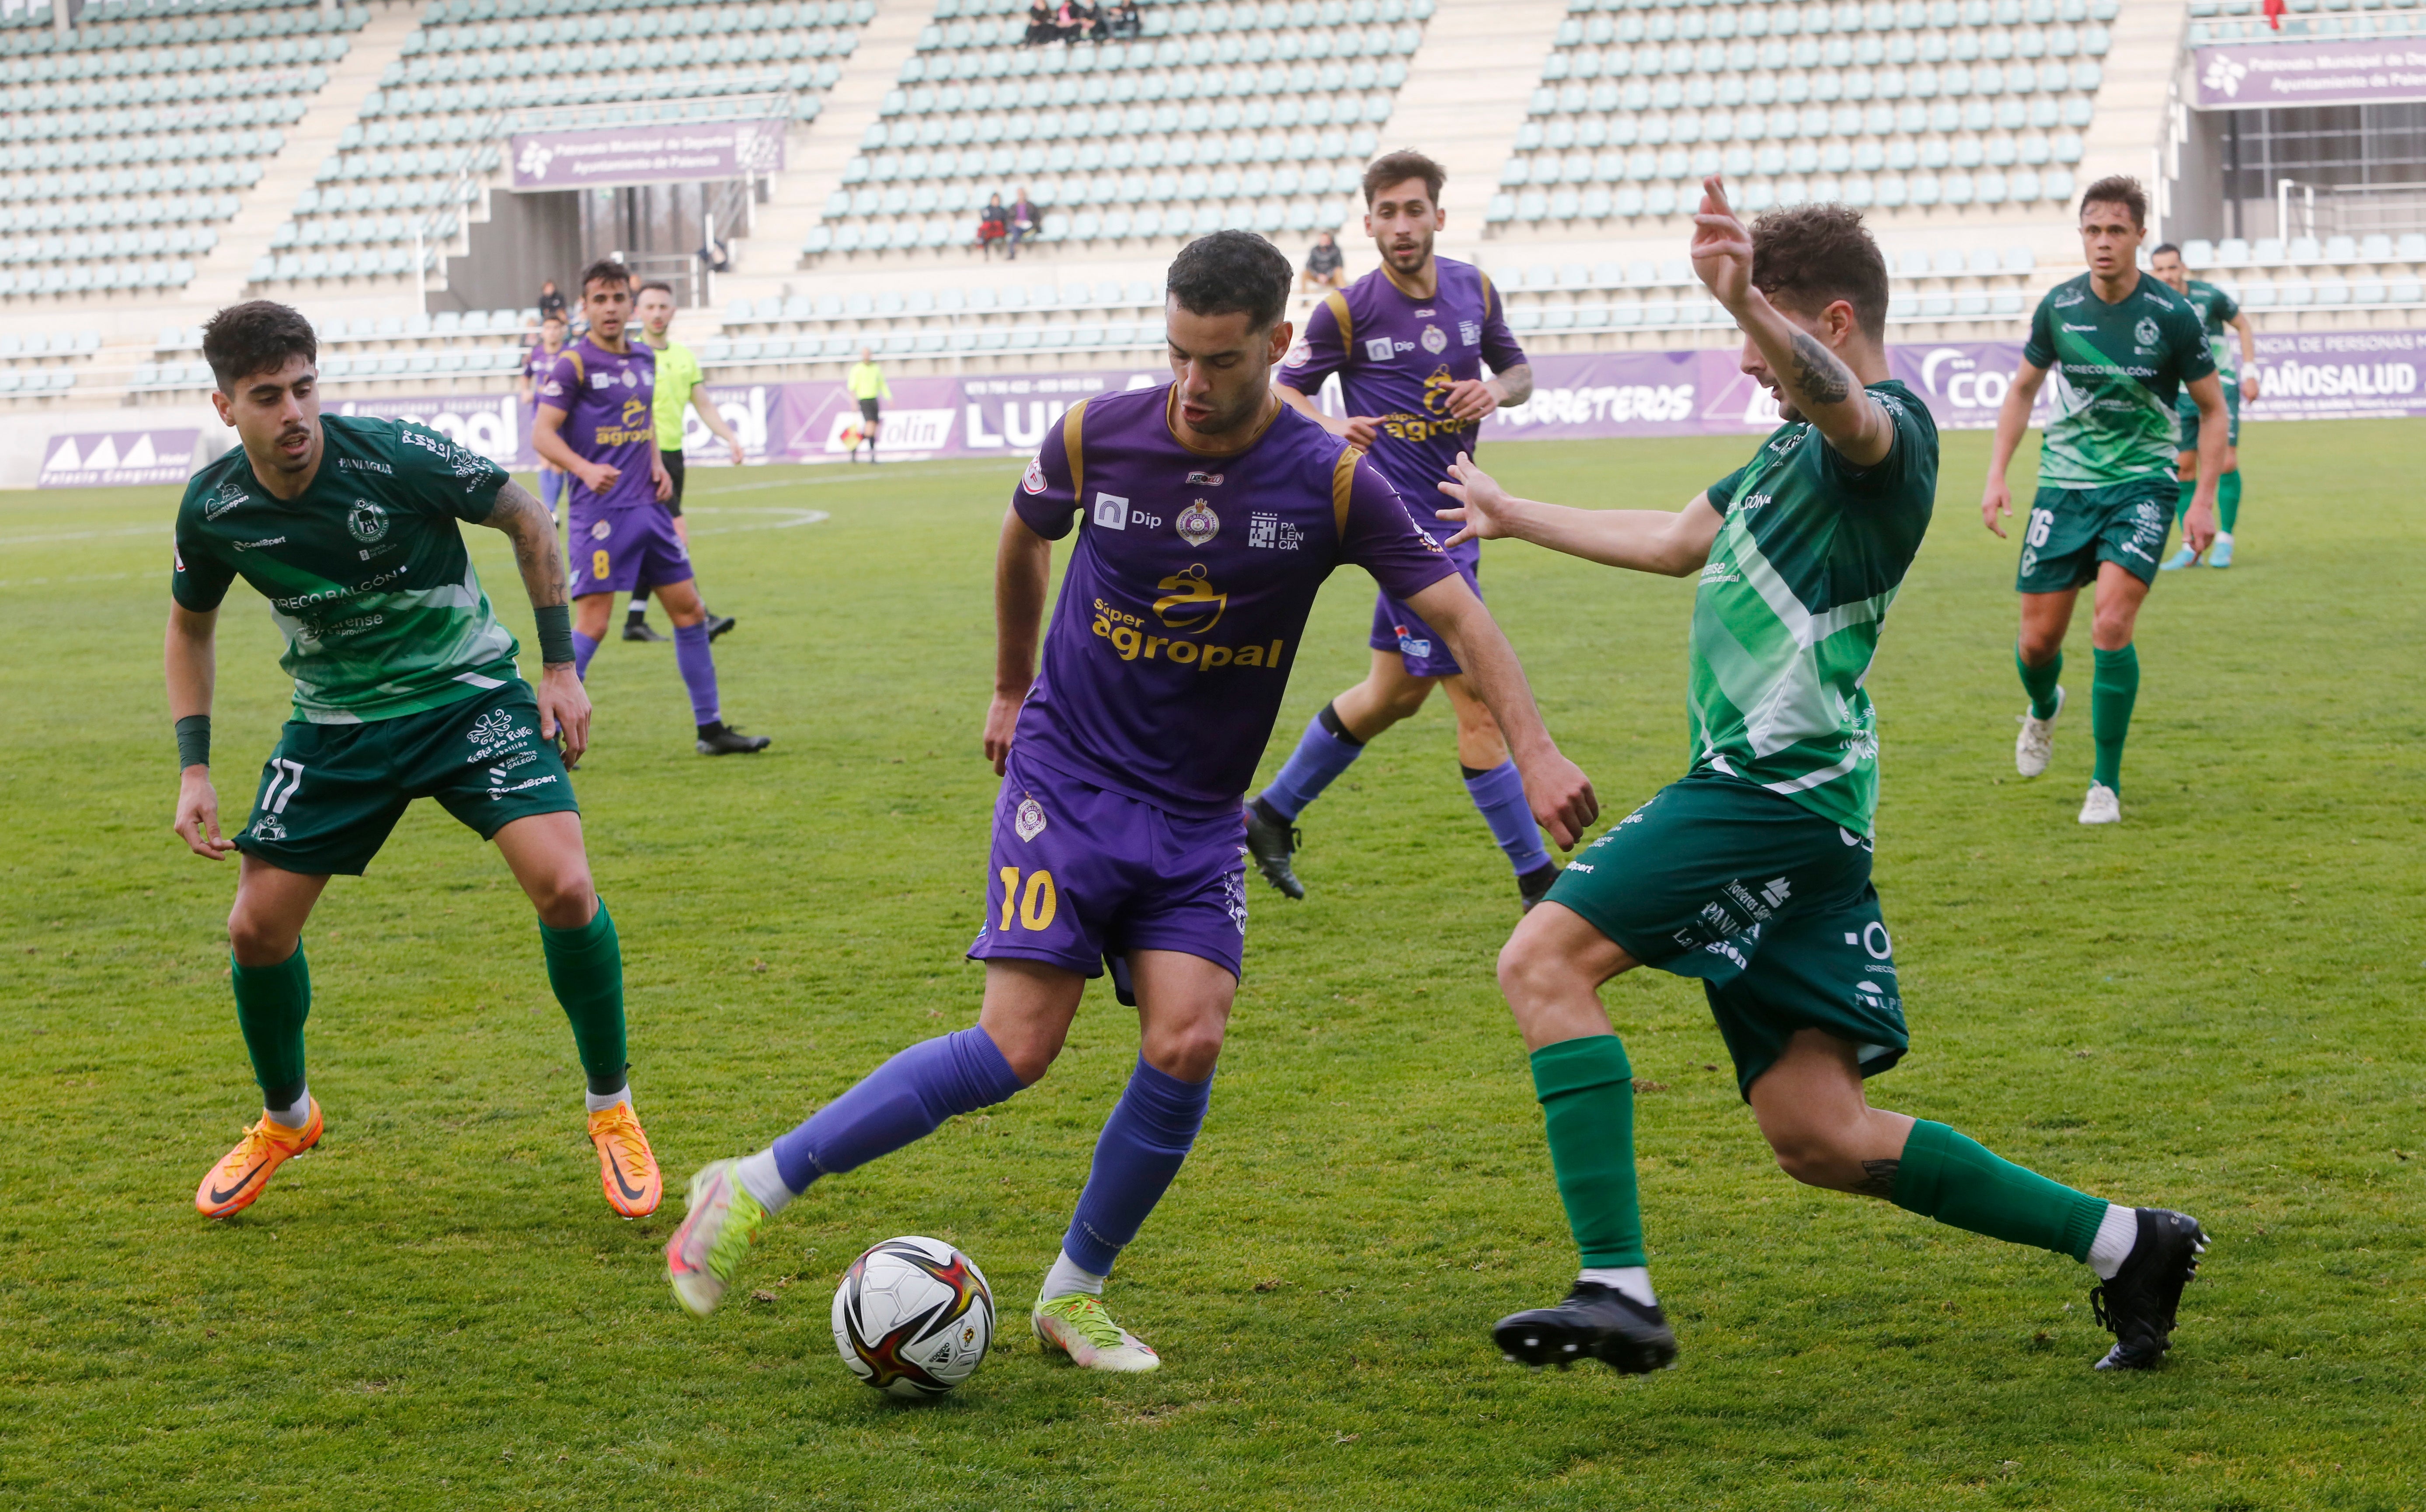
[[2214, 1006]]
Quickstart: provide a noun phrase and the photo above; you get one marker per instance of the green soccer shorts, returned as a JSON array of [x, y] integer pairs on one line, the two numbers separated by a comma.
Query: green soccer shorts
[[2186, 410], [1765, 901], [331, 794], [2072, 530]]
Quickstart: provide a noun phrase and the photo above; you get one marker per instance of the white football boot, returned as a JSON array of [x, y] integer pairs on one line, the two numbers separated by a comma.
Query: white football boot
[[2103, 804], [2035, 747]]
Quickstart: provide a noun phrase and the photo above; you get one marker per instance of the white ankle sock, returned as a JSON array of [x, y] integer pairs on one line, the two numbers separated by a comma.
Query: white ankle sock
[[1068, 1276], [763, 1180], [296, 1116], [1632, 1280], [2116, 1232], [598, 1104]]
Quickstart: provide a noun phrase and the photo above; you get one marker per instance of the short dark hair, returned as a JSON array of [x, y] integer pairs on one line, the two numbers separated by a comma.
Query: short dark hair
[[1232, 271], [2163, 247], [1808, 257], [605, 270], [552, 317], [1401, 166], [2118, 188], [257, 336], [659, 285]]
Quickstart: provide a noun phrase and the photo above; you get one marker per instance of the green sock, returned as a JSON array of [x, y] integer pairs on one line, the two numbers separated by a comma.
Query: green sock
[[2112, 693], [585, 965], [2039, 683], [2182, 498], [1587, 1091], [271, 1003], [1944, 1176], [2227, 501]]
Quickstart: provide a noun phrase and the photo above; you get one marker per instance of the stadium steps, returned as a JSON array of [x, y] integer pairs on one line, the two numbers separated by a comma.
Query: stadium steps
[[2131, 127], [1464, 100]]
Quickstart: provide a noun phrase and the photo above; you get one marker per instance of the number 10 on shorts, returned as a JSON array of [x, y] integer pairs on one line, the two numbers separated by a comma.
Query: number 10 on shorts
[[1035, 906]]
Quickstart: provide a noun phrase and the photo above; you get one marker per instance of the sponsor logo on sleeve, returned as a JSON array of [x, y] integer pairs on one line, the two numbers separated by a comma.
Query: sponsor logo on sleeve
[[1111, 512], [553, 389], [601, 530], [1298, 355], [1378, 348], [1033, 481], [1197, 523], [1469, 333]]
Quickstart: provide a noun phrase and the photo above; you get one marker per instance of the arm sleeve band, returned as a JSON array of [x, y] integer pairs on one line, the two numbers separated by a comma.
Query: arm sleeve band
[[193, 741], [555, 633]]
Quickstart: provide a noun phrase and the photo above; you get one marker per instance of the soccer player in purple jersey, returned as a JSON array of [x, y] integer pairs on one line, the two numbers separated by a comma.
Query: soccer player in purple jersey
[[1409, 341], [597, 420], [536, 365], [1209, 513]]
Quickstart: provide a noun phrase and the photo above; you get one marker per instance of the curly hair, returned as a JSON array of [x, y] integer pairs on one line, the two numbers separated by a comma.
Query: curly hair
[[1398, 167], [1233, 271], [1807, 258], [257, 336]]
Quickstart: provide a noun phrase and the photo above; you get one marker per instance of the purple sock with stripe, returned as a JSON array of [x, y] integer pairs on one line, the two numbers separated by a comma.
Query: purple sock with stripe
[[1144, 1142], [900, 1102], [696, 664], [1320, 756], [1500, 794]]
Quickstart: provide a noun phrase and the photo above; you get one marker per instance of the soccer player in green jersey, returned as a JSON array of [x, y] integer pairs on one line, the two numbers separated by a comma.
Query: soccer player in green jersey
[[2217, 312], [1753, 873], [405, 687], [2122, 346], [681, 386]]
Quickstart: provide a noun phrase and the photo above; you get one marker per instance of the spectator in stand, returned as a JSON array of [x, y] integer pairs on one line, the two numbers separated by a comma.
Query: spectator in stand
[[1040, 24], [1066, 24], [994, 224], [1323, 266], [716, 255], [1123, 21], [1024, 219], [551, 304], [1091, 20]]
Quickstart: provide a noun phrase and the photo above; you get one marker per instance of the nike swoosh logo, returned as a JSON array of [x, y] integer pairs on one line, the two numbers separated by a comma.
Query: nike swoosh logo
[[629, 1190], [218, 1196]]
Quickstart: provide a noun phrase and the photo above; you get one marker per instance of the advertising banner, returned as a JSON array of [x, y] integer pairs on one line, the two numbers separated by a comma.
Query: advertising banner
[[660, 153], [2339, 375], [2367, 71], [117, 459]]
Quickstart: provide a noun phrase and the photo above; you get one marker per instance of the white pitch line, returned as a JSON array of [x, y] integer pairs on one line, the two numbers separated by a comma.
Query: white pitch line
[[798, 516], [82, 535]]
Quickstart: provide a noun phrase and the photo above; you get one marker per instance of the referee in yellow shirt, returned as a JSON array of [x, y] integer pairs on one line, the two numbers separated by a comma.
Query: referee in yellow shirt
[[679, 383], [866, 385]]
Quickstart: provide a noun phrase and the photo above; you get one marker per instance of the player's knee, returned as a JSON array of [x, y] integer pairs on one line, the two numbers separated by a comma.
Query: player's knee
[[1190, 1052], [256, 941], [565, 898], [2111, 628], [2038, 647], [1532, 972], [1809, 1155], [1400, 700]]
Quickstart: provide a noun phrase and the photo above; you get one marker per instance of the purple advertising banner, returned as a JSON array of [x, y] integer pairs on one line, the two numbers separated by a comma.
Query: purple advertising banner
[[2368, 71], [116, 459], [659, 153], [2339, 375]]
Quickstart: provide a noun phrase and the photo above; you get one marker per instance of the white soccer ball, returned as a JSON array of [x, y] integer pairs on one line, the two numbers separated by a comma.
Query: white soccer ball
[[914, 1317]]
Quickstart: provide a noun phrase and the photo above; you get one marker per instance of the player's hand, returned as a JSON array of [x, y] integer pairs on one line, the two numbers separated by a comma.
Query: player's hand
[[1002, 717], [2249, 386], [1996, 499], [738, 455], [1560, 796], [2199, 522], [1722, 249], [661, 481], [1471, 399], [1483, 505], [564, 710], [1360, 431], [198, 816], [596, 477]]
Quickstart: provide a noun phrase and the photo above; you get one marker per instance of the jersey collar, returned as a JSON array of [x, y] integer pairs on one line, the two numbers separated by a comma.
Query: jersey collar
[[1171, 423]]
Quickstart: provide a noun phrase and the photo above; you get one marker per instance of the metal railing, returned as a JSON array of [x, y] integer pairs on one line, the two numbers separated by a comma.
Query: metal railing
[[2348, 209]]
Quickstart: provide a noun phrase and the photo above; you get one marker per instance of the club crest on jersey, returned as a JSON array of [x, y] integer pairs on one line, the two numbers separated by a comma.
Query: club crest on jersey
[[1028, 820], [1205, 480], [2144, 333], [1434, 340], [601, 530], [367, 522], [268, 828], [1033, 481], [1378, 348], [1197, 523]]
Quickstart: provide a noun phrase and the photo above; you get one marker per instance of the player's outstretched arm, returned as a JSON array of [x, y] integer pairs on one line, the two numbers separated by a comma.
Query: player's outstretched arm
[[1821, 387], [2013, 418], [717, 425], [547, 439], [563, 703], [2248, 334], [1646, 540], [2199, 522], [1556, 788], [190, 659], [1023, 563]]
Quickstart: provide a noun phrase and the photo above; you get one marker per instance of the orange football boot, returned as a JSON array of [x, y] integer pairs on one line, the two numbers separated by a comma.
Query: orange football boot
[[627, 1168], [242, 1172]]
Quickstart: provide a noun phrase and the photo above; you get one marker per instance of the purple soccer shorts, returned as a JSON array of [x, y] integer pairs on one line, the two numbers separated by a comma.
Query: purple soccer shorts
[[1398, 627], [615, 551], [1077, 875]]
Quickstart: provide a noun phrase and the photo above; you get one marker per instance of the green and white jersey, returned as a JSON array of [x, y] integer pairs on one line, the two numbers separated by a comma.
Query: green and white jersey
[[365, 571], [1785, 623], [2216, 310], [2113, 372]]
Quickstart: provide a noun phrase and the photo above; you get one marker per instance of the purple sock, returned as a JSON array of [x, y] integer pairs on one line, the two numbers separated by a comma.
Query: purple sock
[[901, 1100], [550, 485], [1500, 792], [1320, 756], [583, 649], [698, 664], [1144, 1142]]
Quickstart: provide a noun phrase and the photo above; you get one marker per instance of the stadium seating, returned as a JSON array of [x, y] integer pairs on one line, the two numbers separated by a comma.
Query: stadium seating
[[1258, 115], [2307, 21], [409, 172], [127, 143], [1896, 103]]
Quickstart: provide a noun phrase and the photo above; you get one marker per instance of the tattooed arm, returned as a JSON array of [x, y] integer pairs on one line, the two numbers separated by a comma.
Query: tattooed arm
[[1813, 378], [563, 703]]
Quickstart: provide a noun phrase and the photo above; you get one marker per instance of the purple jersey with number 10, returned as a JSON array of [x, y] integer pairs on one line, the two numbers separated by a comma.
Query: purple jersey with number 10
[[609, 402], [1182, 605]]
